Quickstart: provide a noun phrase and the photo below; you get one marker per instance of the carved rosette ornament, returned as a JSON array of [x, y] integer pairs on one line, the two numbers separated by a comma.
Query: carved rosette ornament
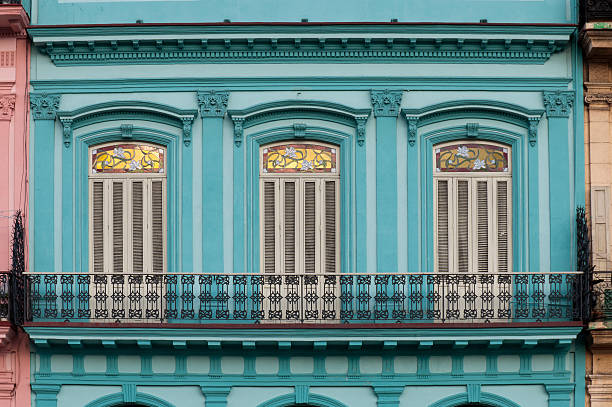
[[558, 103], [213, 103], [386, 102], [44, 106], [7, 106]]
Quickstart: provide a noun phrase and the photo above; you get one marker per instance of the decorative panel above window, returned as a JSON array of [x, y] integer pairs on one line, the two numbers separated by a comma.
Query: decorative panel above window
[[301, 158], [472, 157], [127, 158]]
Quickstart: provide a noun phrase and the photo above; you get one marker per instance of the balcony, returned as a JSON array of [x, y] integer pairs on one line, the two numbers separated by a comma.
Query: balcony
[[348, 299]]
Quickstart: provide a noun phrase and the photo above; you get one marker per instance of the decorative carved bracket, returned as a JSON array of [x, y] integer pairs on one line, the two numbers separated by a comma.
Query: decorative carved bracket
[[361, 130], [213, 103], [44, 106], [7, 106], [299, 130], [67, 132], [558, 103], [413, 122], [386, 102], [533, 130], [238, 130], [187, 126], [472, 130]]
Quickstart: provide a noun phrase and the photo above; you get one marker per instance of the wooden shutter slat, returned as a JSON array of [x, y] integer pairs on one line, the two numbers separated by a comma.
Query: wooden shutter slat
[[269, 196], [463, 226], [482, 215], [137, 227], [117, 220], [502, 226], [330, 226], [157, 226], [310, 243], [442, 212], [98, 226], [289, 226]]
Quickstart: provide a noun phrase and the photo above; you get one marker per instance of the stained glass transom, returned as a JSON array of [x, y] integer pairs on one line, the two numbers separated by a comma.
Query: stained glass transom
[[468, 157], [299, 158], [127, 158]]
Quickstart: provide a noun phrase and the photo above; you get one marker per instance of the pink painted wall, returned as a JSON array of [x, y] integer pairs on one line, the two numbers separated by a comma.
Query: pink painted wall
[[14, 104]]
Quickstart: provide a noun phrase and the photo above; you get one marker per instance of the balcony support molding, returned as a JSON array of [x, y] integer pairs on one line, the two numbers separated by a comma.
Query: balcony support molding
[[385, 105], [215, 396], [388, 396], [213, 106], [558, 106], [46, 394]]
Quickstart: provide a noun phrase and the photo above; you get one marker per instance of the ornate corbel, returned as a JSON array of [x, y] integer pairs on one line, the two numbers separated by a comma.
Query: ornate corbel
[[44, 106], [299, 130], [413, 122], [187, 125], [558, 103], [213, 103], [127, 130], [386, 102], [238, 130], [7, 106], [533, 130], [472, 130], [361, 130], [67, 131]]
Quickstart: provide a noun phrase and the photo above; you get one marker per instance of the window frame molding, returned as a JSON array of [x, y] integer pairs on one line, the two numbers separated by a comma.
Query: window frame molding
[[518, 147]]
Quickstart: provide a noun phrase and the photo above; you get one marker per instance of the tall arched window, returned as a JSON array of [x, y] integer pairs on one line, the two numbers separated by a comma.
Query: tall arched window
[[127, 208], [300, 208], [472, 207]]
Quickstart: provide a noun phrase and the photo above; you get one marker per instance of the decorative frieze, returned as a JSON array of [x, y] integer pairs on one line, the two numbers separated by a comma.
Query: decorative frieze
[[7, 106], [558, 103], [44, 106], [386, 103], [213, 103], [394, 48]]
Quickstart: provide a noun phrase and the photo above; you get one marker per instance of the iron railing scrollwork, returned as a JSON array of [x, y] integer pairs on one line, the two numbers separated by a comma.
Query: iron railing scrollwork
[[12, 299], [325, 298]]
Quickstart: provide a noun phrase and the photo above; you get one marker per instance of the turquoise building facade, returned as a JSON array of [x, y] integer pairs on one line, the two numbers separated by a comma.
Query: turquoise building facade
[[305, 204]]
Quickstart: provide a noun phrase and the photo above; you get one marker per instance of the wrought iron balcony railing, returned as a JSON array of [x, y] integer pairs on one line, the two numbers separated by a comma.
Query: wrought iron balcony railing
[[330, 298], [5, 292]]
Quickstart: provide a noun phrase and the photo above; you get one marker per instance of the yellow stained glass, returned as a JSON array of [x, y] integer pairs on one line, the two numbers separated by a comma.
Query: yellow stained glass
[[299, 158], [468, 157], [127, 158]]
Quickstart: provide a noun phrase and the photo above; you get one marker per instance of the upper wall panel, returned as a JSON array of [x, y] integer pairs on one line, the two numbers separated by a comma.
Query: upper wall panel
[[194, 11]]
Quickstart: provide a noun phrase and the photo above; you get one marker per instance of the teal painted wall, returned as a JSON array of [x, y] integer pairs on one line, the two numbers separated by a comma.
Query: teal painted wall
[[116, 11]]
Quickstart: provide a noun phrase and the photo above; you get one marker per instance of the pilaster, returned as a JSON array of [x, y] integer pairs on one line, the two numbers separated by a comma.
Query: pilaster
[[558, 106], [239, 190], [386, 105], [412, 168], [46, 394], [215, 396], [388, 396], [534, 200], [213, 106], [44, 109], [361, 196]]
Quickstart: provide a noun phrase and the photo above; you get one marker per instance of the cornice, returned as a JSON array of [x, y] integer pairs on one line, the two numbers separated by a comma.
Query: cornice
[[7, 107], [100, 46], [597, 42], [13, 22]]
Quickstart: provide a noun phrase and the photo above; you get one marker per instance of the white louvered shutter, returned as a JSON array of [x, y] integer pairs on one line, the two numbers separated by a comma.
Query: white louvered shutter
[[462, 220], [269, 225], [503, 226], [118, 238], [329, 230], [97, 226], [138, 226], [482, 226], [290, 213], [156, 231], [310, 223], [442, 225]]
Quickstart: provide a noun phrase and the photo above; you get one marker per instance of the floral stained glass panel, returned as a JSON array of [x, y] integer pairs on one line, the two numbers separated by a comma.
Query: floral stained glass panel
[[299, 158], [472, 158], [127, 158]]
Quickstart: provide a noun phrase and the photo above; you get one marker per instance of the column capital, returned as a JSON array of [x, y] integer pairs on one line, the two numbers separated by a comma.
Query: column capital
[[44, 106], [212, 103], [7, 106], [558, 103], [386, 102]]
